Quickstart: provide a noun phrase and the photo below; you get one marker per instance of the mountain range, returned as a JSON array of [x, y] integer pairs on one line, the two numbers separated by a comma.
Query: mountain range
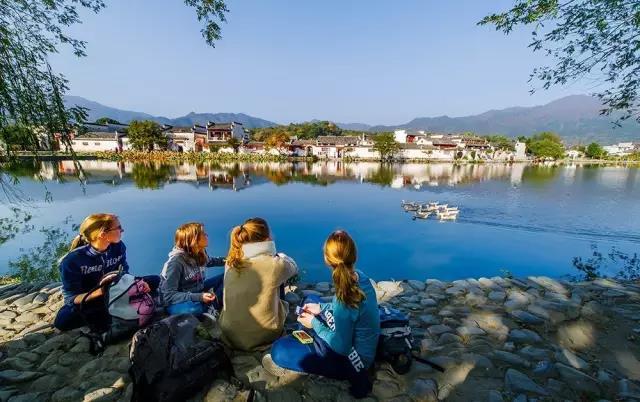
[[576, 118]]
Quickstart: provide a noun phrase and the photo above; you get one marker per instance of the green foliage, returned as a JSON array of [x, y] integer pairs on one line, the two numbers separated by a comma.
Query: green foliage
[[106, 120], [501, 142], [546, 145], [12, 225], [145, 134], [595, 151], [234, 143], [386, 145], [383, 176], [593, 38], [41, 263], [277, 139], [309, 130]]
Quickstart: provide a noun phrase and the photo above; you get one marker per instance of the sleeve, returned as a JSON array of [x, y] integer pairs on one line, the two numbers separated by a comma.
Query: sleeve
[[71, 280], [340, 339], [216, 262], [286, 269], [124, 263], [170, 283]]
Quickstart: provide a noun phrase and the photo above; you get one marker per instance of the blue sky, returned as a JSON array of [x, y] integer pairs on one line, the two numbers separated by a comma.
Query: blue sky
[[368, 61]]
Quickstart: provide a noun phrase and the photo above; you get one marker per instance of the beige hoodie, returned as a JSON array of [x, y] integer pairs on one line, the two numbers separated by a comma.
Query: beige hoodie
[[253, 314]]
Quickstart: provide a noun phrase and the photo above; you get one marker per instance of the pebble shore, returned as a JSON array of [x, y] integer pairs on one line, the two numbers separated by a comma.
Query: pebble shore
[[529, 339]]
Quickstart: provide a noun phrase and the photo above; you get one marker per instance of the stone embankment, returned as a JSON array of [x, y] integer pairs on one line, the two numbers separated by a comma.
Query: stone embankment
[[534, 339]]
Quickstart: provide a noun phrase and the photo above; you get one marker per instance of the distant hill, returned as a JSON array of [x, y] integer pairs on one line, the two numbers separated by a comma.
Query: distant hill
[[576, 118], [97, 110]]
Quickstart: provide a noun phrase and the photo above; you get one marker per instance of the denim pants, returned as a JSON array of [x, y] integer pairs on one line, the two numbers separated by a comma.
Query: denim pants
[[94, 313], [318, 358], [215, 284]]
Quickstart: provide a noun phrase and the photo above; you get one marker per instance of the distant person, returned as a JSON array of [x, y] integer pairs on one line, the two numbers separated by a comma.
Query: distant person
[[183, 286], [97, 250], [345, 332], [253, 313]]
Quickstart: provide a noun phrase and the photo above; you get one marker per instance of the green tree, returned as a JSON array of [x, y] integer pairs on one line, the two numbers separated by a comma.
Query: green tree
[[234, 143], [277, 140], [31, 93], [145, 134], [594, 38], [546, 145], [386, 145], [595, 151], [150, 175], [500, 142], [107, 120]]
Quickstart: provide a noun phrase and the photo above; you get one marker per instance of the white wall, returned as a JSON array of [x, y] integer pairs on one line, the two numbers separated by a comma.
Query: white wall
[[93, 144]]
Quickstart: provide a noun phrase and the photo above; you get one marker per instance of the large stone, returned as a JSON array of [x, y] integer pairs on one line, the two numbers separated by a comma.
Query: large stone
[[594, 311], [534, 353], [549, 284], [27, 397], [524, 336], [428, 319], [15, 377], [67, 394], [495, 396], [470, 330], [10, 299], [323, 287], [628, 390], [41, 298], [25, 299], [428, 303], [102, 395], [417, 285], [448, 338], [510, 358], [46, 383], [569, 358], [526, 317], [16, 363], [577, 380], [292, 298], [436, 330], [423, 390], [497, 296], [516, 381]]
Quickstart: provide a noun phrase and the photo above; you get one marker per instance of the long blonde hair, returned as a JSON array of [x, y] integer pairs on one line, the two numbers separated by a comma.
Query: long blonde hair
[[91, 227], [253, 230], [340, 254], [187, 239]]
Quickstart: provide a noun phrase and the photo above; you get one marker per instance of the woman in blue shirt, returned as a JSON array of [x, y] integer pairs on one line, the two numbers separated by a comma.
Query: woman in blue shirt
[[95, 251], [345, 332]]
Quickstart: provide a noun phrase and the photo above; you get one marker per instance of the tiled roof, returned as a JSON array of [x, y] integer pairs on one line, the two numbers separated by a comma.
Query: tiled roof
[[96, 135]]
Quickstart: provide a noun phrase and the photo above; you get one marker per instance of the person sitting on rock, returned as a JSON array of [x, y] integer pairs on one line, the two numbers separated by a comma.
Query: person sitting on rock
[[94, 253], [345, 332], [183, 287], [253, 314]]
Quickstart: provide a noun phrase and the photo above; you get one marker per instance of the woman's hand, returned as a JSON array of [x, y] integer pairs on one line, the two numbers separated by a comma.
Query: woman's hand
[[305, 319], [145, 287], [208, 298], [312, 308]]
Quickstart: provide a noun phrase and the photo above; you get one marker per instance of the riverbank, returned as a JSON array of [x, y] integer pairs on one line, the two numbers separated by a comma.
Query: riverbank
[[499, 339]]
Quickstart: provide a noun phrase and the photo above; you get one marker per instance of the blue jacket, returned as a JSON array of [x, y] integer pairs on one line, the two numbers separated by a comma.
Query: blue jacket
[[348, 328], [82, 268]]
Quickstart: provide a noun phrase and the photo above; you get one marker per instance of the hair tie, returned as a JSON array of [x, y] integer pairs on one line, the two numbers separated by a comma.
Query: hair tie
[[242, 227]]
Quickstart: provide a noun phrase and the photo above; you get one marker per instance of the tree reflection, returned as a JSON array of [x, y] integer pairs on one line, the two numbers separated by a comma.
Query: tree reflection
[[150, 175], [540, 175]]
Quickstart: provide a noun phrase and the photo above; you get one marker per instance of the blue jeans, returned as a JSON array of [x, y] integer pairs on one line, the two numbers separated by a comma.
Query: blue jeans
[[318, 358], [215, 284], [94, 313]]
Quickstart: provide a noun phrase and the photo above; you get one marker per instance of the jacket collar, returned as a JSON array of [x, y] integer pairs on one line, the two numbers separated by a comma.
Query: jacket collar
[[251, 250]]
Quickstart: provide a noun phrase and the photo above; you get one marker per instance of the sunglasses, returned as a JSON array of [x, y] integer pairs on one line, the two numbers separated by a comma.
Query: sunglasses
[[119, 227]]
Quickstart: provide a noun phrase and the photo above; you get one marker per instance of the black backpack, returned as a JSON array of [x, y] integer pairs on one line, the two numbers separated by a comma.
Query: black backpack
[[395, 344], [175, 358]]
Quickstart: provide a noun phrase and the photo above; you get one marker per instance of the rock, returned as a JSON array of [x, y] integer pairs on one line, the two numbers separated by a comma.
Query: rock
[[10, 299], [423, 390], [46, 383], [323, 287], [428, 303], [578, 335], [470, 331], [497, 296], [417, 285], [14, 376], [41, 298], [593, 311], [577, 380], [25, 299], [510, 358], [516, 381], [8, 314], [455, 291], [428, 319], [436, 330], [553, 316], [448, 337], [28, 318], [534, 353], [628, 390], [282, 394], [495, 396], [555, 385], [604, 377], [385, 390], [516, 300], [524, 336], [220, 391], [28, 356], [101, 395], [549, 284], [16, 363], [387, 290], [526, 317], [567, 357], [6, 393], [27, 397], [310, 292]]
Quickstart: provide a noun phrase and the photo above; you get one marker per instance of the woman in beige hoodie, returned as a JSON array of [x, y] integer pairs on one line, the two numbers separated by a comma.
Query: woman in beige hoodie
[[253, 314]]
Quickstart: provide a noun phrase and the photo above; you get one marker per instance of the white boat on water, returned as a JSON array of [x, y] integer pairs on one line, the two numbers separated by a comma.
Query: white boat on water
[[421, 214], [448, 215]]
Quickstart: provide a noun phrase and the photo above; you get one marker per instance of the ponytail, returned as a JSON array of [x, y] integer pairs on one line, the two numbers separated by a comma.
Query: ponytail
[[251, 231], [77, 241], [340, 254], [90, 228]]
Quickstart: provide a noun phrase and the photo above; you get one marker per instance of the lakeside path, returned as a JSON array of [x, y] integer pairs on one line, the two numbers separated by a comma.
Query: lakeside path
[[490, 335]]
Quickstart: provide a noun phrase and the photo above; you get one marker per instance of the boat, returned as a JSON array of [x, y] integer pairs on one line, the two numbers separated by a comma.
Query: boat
[[421, 214], [432, 206], [411, 207], [448, 215]]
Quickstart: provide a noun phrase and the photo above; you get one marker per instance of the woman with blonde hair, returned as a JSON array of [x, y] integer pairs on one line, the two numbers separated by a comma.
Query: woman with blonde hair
[[96, 250], [344, 332], [183, 286], [253, 313]]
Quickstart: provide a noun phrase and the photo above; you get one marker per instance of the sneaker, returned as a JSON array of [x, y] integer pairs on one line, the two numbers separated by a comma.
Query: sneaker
[[273, 368], [211, 313]]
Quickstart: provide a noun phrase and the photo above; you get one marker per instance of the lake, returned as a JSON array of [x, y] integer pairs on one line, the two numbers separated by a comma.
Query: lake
[[524, 219]]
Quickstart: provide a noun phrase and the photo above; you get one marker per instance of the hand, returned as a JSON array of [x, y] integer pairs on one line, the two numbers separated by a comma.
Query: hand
[[305, 319], [145, 287], [312, 308], [208, 298], [107, 279]]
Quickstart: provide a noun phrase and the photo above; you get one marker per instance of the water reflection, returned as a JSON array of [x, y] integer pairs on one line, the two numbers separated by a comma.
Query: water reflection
[[239, 176]]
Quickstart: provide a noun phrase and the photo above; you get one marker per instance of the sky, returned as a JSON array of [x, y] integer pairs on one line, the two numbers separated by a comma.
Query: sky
[[364, 61]]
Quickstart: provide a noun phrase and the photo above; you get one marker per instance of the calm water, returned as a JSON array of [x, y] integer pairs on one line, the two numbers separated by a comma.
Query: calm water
[[525, 219]]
